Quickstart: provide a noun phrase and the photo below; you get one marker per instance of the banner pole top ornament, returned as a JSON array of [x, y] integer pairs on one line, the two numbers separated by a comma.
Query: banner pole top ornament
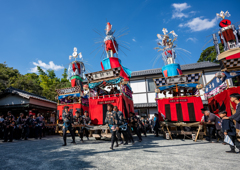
[[75, 55], [223, 15], [166, 40]]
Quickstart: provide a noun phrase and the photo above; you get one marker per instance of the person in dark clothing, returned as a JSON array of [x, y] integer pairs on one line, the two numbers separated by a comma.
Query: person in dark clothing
[[1, 126], [112, 121], [78, 120], [235, 97], [210, 118], [19, 128], [229, 129], [67, 125], [9, 125], [156, 124], [142, 128], [148, 126], [128, 132], [134, 123], [25, 128], [39, 126], [29, 123], [121, 123], [86, 121]]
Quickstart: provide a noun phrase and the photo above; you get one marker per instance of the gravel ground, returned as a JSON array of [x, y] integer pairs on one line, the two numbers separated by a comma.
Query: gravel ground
[[151, 153]]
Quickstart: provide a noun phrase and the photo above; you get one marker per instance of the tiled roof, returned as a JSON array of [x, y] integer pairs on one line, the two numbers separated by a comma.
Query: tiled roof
[[26, 95], [194, 66]]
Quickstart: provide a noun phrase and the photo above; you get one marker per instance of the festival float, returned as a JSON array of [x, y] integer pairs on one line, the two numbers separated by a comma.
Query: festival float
[[109, 86], [218, 90], [184, 108], [76, 96]]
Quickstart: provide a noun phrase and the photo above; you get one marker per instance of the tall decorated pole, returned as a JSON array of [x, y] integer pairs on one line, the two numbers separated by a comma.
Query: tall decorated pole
[[76, 69], [166, 43], [111, 49], [110, 42]]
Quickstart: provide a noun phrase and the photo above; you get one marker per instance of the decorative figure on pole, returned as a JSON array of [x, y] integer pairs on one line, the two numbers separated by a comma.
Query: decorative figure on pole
[[76, 69], [110, 42], [168, 53]]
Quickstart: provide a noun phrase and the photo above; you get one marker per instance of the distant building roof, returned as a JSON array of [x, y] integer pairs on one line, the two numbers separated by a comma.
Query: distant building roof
[[25, 94], [194, 66]]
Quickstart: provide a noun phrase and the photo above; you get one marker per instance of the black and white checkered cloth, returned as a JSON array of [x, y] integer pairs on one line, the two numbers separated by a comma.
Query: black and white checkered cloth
[[191, 78], [160, 81], [231, 63], [116, 73]]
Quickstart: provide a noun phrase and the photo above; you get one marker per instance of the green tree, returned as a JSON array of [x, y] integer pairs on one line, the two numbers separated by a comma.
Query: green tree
[[40, 71], [210, 54], [64, 73], [64, 81], [7, 76], [51, 74], [28, 82]]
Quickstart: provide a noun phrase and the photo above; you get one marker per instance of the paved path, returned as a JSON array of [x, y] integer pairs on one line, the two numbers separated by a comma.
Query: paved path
[[151, 153]]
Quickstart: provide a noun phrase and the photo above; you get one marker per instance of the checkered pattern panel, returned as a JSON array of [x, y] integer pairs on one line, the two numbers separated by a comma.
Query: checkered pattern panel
[[69, 90], [192, 78], [232, 63], [160, 81], [116, 71], [89, 76]]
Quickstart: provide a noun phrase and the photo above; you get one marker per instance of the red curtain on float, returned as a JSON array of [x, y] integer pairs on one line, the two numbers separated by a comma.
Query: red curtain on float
[[186, 109], [98, 107], [222, 101], [72, 108]]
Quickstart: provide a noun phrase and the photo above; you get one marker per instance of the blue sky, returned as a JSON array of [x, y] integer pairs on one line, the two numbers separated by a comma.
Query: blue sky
[[45, 32]]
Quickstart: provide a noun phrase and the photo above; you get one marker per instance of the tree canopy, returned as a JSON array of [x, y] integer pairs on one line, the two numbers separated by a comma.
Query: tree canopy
[[210, 54], [43, 83]]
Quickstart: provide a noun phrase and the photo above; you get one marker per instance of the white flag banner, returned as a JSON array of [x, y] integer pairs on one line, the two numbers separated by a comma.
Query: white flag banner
[[228, 140]]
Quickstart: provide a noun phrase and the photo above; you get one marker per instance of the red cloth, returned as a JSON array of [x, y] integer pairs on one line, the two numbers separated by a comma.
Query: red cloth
[[97, 111], [109, 46], [165, 73], [74, 108], [179, 71], [197, 103], [223, 97], [237, 55], [78, 67], [73, 82]]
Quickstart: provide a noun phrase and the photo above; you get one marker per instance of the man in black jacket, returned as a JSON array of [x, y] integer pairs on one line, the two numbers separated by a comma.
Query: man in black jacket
[[121, 123], [67, 125], [235, 98], [229, 129], [78, 120], [136, 125], [113, 122], [9, 127]]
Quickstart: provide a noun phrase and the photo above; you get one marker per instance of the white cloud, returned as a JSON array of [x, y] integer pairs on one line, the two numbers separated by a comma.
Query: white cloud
[[192, 39], [199, 24], [45, 66], [178, 8], [134, 40]]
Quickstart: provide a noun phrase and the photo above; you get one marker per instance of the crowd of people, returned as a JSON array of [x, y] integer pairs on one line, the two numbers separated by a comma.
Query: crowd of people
[[117, 122], [23, 127], [222, 126], [34, 126]]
